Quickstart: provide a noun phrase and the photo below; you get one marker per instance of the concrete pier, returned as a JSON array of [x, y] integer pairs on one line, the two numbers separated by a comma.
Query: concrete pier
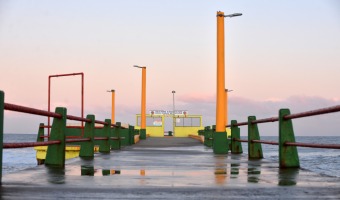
[[168, 168]]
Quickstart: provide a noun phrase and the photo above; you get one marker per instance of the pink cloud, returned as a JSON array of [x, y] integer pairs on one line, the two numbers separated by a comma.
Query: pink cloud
[[195, 97]]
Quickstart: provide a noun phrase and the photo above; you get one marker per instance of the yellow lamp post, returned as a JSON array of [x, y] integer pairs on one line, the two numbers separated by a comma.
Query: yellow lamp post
[[143, 104], [112, 106], [220, 137]]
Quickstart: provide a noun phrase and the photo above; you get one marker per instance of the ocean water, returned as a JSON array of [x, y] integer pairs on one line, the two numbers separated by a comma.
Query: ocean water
[[322, 161]]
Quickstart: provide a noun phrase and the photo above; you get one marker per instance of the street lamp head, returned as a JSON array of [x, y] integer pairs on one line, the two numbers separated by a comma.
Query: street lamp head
[[137, 66], [110, 90], [233, 15], [173, 91], [227, 90]]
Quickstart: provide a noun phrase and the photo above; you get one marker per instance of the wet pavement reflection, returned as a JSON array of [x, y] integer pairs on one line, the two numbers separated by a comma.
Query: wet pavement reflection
[[171, 166]]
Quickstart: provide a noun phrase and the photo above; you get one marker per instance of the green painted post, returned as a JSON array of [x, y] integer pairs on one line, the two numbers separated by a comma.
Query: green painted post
[[124, 137], [220, 142], [236, 146], [254, 149], [41, 133], [87, 148], [288, 155], [115, 144], [56, 153], [105, 145], [131, 135], [2, 104], [208, 136]]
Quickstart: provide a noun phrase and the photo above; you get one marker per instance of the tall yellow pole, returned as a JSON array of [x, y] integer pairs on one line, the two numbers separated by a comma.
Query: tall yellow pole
[[220, 99], [226, 106], [142, 134], [143, 112], [220, 142], [113, 107]]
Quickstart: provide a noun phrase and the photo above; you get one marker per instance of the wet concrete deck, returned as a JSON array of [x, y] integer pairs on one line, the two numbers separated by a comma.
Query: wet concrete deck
[[168, 168]]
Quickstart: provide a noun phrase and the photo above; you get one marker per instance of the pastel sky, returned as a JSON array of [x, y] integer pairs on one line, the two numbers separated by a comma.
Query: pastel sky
[[279, 54]]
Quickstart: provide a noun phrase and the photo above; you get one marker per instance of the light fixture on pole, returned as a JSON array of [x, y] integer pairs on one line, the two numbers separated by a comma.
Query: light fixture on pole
[[143, 104], [220, 138], [173, 112]]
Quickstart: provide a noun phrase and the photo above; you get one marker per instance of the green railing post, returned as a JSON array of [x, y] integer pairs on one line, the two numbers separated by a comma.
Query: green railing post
[[55, 155], [115, 144], [87, 148], [41, 133], [208, 136], [105, 145], [2, 104], [131, 134], [124, 137], [254, 149], [236, 146], [288, 155]]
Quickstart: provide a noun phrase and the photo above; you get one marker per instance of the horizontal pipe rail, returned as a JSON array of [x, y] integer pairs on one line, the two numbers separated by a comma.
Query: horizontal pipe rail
[[322, 146], [293, 116], [265, 142], [100, 122], [313, 112], [101, 138], [78, 140], [29, 144], [239, 140], [23, 109], [70, 117], [72, 74], [271, 119]]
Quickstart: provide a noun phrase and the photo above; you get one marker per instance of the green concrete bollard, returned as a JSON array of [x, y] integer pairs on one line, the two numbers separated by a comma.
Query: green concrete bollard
[[288, 155], [208, 136], [41, 133], [131, 135], [2, 104], [115, 132], [236, 147], [55, 155], [105, 145], [169, 133], [124, 137], [87, 148], [254, 149]]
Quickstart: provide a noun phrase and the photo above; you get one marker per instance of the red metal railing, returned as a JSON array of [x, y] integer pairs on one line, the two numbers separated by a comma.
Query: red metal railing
[[82, 95], [23, 109], [29, 144], [293, 116]]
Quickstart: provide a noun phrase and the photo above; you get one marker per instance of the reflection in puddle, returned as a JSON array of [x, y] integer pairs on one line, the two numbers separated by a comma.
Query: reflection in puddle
[[220, 175], [55, 175], [288, 176], [253, 175], [87, 170], [234, 169]]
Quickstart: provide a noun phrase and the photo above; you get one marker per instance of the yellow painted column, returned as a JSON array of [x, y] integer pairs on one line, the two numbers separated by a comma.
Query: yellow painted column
[[143, 112], [226, 106], [220, 97], [113, 107]]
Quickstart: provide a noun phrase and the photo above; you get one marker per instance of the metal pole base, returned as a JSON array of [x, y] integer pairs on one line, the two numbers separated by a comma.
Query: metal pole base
[[142, 135]]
